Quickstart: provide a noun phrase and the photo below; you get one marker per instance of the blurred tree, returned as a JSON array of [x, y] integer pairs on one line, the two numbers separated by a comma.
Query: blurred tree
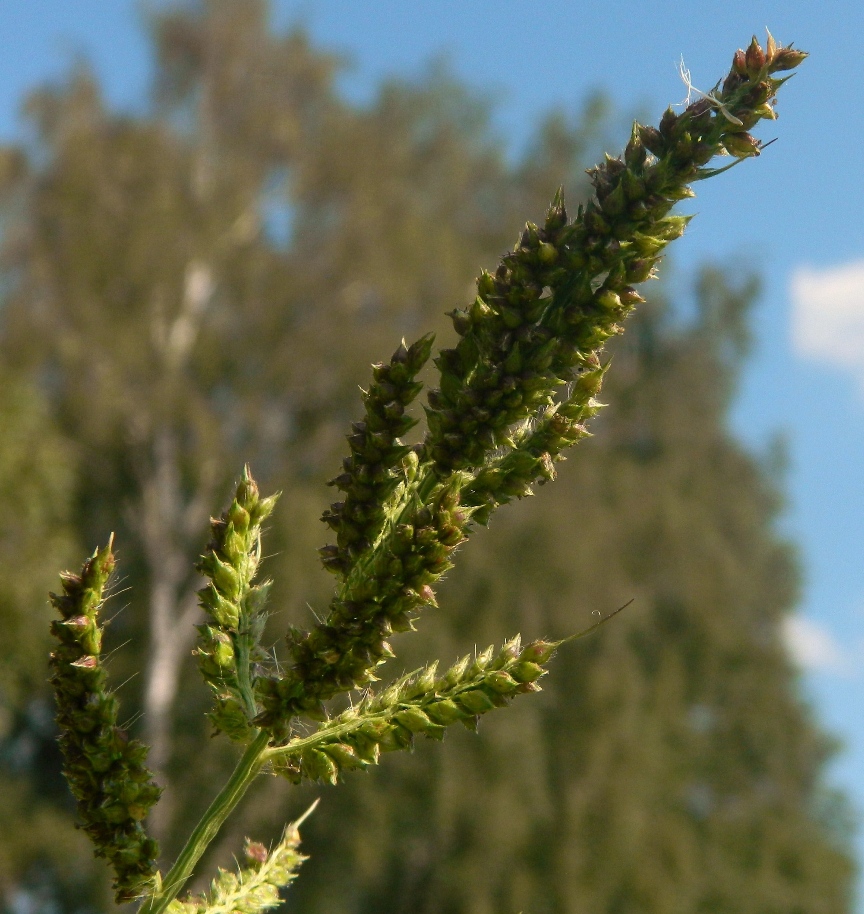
[[37, 485], [671, 767], [141, 265], [205, 283]]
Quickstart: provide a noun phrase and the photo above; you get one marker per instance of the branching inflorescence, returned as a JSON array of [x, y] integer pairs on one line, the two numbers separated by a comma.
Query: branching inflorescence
[[513, 394]]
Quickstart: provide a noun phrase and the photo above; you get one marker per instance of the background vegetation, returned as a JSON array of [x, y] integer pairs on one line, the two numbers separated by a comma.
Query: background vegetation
[[206, 283]]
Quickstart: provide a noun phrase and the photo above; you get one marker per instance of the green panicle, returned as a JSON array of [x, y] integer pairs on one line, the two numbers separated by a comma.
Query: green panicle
[[517, 390], [537, 446]]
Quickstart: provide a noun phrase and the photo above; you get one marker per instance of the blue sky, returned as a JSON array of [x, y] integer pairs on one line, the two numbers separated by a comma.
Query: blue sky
[[795, 214]]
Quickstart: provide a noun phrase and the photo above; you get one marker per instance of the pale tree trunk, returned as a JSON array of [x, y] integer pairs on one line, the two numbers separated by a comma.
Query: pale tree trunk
[[170, 523], [172, 607]]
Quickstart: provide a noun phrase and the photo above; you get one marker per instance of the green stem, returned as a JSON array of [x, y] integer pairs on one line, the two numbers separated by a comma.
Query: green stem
[[298, 744], [243, 644], [206, 830]]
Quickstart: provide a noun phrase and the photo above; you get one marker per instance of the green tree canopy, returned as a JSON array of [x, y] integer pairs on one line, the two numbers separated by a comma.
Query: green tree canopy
[[37, 485], [205, 283]]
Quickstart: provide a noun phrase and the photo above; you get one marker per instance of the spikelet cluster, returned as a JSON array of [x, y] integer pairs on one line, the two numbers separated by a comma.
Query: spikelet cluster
[[537, 446], [253, 888], [540, 320], [372, 472], [105, 769], [228, 645], [421, 703]]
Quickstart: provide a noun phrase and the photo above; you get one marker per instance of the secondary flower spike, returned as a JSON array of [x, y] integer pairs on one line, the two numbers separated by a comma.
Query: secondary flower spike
[[104, 768], [229, 642]]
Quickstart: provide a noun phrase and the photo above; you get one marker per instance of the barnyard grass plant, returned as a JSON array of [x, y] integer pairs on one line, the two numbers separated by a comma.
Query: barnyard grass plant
[[514, 393]]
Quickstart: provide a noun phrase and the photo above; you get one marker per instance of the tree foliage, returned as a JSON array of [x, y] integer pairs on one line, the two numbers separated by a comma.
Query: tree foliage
[[37, 486], [202, 285]]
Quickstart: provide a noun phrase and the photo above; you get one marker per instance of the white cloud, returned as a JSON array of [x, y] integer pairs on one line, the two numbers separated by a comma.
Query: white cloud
[[828, 315], [814, 648]]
